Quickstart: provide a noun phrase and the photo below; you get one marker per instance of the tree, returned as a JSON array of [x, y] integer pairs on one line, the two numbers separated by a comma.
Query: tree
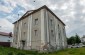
[[77, 39], [71, 40]]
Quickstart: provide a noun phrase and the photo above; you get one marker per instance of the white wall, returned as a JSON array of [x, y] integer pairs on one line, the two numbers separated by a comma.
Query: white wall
[[5, 38]]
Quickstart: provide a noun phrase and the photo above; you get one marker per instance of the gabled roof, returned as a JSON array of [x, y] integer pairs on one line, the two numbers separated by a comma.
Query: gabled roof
[[34, 11], [6, 34]]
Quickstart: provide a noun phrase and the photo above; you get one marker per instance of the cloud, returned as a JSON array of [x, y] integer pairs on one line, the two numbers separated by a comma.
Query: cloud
[[7, 5], [71, 12], [5, 9], [6, 26]]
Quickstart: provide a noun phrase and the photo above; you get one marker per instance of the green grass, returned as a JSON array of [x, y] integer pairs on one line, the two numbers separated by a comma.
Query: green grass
[[13, 51]]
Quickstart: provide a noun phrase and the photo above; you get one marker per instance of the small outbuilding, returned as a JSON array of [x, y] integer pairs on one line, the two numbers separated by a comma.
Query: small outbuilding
[[5, 39]]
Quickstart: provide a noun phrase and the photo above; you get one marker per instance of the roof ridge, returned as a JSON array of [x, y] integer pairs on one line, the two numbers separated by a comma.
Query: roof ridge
[[44, 6], [27, 11]]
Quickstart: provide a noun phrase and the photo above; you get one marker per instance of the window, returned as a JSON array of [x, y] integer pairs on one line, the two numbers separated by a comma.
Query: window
[[36, 21], [59, 35], [58, 28], [16, 32], [64, 32], [52, 33], [8, 40], [25, 24], [35, 32], [51, 22], [24, 34]]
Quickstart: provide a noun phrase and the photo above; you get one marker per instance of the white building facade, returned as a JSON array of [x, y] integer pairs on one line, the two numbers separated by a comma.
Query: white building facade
[[83, 39], [39, 29]]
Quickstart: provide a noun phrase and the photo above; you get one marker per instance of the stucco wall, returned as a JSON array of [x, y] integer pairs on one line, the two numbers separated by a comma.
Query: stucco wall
[[56, 41], [36, 39], [26, 31]]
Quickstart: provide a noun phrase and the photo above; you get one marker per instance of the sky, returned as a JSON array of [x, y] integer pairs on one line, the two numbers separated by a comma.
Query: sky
[[71, 12]]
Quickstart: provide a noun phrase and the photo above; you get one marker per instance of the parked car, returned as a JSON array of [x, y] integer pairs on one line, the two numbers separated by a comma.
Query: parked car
[[76, 45]]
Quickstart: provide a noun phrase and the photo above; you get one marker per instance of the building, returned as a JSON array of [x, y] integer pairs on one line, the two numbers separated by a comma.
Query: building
[[5, 39], [39, 29], [83, 39]]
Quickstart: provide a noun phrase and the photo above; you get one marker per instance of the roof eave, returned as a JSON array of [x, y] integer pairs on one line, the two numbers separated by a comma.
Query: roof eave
[[38, 10]]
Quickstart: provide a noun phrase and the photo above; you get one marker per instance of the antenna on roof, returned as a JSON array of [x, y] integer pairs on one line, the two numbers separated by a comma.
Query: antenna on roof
[[33, 1], [18, 15], [17, 18]]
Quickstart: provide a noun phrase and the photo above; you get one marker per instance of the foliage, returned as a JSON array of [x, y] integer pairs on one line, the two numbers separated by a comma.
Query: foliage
[[13, 51], [77, 39], [10, 53], [73, 40], [20, 54]]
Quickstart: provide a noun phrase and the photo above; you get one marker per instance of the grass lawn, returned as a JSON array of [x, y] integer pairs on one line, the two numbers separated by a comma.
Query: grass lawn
[[13, 51]]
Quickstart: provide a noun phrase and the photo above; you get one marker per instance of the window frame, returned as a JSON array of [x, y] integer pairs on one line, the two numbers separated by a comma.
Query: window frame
[[51, 22], [35, 32], [36, 21]]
